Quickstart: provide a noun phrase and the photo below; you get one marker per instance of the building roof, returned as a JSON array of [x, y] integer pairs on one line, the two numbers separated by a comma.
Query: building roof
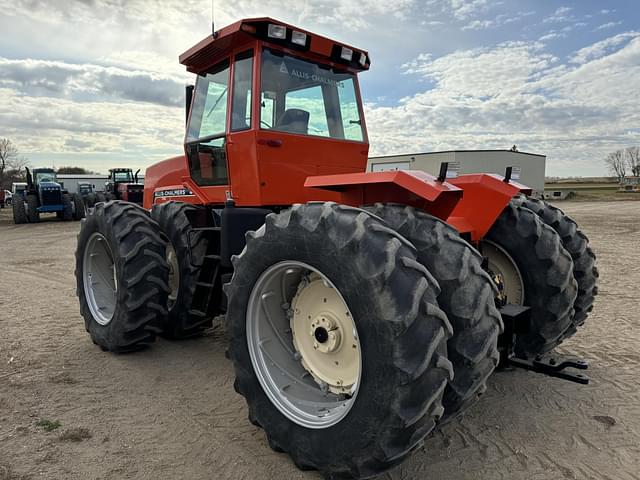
[[81, 175], [456, 151]]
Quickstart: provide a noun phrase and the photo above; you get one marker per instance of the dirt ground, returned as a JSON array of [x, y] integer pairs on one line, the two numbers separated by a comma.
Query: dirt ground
[[171, 411]]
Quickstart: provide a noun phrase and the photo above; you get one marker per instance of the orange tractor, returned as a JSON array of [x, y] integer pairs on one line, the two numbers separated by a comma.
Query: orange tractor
[[363, 310]]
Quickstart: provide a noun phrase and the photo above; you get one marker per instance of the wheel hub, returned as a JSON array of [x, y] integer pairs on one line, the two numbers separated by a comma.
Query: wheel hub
[[313, 387], [324, 336], [326, 332], [505, 273]]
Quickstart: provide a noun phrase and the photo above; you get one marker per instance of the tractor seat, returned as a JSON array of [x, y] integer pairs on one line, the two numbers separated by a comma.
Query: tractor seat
[[294, 120]]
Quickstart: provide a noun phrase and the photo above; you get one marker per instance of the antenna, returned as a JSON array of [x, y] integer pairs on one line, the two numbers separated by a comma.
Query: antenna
[[213, 27]]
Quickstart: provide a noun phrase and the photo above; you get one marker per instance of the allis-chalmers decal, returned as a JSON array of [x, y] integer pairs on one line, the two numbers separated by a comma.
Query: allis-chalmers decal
[[173, 192]]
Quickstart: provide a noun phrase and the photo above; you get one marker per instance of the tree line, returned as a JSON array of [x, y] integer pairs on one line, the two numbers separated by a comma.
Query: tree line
[[13, 164], [624, 162]]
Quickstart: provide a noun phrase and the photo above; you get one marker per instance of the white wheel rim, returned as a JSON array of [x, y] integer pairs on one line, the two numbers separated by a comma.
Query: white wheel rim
[[99, 279], [501, 263], [280, 338]]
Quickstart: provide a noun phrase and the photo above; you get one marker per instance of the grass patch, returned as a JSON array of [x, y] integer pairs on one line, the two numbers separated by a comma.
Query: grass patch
[[48, 425]]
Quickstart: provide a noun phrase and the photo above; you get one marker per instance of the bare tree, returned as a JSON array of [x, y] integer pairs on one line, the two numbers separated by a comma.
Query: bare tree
[[617, 164], [633, 160], [11, 163], [8, 153]]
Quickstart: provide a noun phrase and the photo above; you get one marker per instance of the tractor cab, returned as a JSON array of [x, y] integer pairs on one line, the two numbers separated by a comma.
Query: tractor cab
[[272, 105], [123, 185], [44, 184], [85, 189]]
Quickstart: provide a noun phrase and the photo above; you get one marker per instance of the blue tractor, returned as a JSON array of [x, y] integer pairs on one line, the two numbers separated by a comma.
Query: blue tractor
[[45, 195]]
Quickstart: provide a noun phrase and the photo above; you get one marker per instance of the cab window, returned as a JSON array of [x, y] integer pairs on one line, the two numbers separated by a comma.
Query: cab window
[[242, 81], [209, 109], [206, 142], [306, 98]]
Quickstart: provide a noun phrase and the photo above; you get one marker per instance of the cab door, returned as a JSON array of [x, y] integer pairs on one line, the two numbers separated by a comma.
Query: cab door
[[206, 139]]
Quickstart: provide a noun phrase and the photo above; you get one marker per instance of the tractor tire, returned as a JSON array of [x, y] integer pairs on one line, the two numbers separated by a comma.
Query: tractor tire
[[577, 244], [545, 270], [123, 238], [100, 197], [90, 201], [67, 213], [391, 303], [467, 296], [183, 275], [19, 211], [32, 209], [78, 206]]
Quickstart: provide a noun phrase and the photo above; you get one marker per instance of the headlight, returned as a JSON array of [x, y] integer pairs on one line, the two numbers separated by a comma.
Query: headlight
[[346, 54], [277, 31], [363, 59], [299, 38]]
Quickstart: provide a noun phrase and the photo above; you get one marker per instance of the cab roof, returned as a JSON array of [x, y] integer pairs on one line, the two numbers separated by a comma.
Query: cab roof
[[218, 46]]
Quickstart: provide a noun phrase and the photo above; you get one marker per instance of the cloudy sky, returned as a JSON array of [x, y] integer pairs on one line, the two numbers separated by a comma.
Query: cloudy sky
[[96, 83]]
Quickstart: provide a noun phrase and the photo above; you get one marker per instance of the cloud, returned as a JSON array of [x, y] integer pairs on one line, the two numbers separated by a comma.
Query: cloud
[[560, 15], [517, 92], [41, 124], [86, 81], [602, 47], [502, 19], [101, 77], [606, 26], [463, 9], [552, 35]]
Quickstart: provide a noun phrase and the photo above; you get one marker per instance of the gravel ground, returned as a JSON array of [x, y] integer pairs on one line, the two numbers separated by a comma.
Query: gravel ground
[[171, 411]]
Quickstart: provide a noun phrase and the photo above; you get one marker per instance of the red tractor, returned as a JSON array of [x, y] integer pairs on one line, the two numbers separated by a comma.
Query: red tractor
[[363, 310], [122, 185]]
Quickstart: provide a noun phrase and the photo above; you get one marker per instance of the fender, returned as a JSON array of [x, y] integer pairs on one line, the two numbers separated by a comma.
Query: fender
[[485, 196], [409, 187], [469, 203]]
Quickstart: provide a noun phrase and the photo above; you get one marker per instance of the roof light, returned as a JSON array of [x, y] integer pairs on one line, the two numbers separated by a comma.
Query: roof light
[[363, 59], [248, 28], [299, 38], [277, 31], [346, 54]]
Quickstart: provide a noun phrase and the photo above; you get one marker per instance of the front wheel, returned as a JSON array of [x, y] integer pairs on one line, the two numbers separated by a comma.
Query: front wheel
[[185, 253], [32, 209], [19, 211], [78, 206], [337, 340], [121, 276]]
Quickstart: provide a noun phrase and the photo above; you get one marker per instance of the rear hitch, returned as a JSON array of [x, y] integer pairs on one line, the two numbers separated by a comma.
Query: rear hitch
[[517, 320]]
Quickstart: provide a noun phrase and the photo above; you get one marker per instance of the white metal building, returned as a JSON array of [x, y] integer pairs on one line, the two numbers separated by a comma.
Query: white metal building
[[471, 161], [70, 181]]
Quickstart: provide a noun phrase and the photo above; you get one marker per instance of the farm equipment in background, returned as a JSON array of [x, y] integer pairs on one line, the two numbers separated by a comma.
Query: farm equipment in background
[[122, 185], [363, 309], [44, 195]]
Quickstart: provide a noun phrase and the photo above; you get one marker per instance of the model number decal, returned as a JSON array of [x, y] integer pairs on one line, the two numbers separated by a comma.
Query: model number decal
[[174, 192]]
